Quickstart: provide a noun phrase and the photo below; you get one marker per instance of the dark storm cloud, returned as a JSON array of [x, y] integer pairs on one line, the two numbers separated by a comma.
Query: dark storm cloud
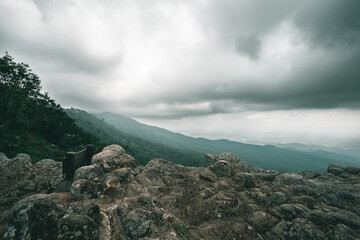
[[249, 46], [333, 81], [331, 84], [176, 59], [330, 23]]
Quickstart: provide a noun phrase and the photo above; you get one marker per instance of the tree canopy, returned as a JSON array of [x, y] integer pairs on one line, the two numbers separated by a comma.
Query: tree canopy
[[30, 121]]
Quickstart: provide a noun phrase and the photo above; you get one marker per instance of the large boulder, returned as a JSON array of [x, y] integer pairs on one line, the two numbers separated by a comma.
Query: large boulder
[[35, 217], [244, 181], [335, 169], [92, 172], [262, 221], [231, 158], [85, 189], [48, 175], [44, 216], [76, 226], [222, 168], [113, 157]]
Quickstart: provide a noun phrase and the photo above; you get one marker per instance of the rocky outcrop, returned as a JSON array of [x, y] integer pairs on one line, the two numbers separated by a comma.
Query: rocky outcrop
[[20, 178], [114, 157], [116, 198]]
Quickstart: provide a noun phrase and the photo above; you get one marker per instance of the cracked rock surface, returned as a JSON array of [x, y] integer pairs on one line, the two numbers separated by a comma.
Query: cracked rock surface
[[116, 198]]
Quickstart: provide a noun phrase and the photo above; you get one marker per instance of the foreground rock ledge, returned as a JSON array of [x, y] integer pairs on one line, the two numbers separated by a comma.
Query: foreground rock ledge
[[116, 198]]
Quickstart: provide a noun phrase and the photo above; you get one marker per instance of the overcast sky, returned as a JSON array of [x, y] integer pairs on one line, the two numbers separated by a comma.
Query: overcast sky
[[254, 70]]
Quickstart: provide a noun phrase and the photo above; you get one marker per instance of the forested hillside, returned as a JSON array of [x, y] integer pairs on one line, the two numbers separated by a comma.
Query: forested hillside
[[143, 150], [30, 121], [267, 157]]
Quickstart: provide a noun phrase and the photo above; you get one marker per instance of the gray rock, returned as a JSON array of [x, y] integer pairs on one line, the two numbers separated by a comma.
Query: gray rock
[[309, 174], [353, 170], [48, 175], [241, 167], [115, 148], [163, 166], [3, 159], [304, 200], [111, 186], [210, 159], [227, 230], [167, 201], [335, 169], [92, 172], [290, 211], [299, 228], [244, 181], [207, 174], [22, 157], [35, 217], [291, 179], [124, 174], [222, 169], [76, 226], [113, 157], [331, 215], [137, 224], [228, 157], [262, 221], [87, 208], [84, 189], [278, 198], [342, 232]]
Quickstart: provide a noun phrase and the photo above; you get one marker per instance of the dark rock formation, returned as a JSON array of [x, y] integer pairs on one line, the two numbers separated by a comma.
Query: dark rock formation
[[116, 198]]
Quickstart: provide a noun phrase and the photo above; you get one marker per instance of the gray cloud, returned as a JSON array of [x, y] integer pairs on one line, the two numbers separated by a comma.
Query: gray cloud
[[35, 31], [249, 46], [330, 81], [330, 23], [177, 59]]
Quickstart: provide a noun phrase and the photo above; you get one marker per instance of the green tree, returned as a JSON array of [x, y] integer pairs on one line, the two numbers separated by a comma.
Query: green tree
[[31, 119]]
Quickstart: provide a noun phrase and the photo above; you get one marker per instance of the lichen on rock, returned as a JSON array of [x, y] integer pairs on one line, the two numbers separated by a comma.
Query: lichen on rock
[[116, 198]]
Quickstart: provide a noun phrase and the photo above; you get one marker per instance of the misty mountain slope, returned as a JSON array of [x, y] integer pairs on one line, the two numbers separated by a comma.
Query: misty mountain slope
[[353, 154], [267, 157], [151, 133], [143, 150]]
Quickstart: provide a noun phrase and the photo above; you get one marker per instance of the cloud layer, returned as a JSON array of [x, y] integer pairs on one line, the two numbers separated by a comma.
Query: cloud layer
[[173, 59]]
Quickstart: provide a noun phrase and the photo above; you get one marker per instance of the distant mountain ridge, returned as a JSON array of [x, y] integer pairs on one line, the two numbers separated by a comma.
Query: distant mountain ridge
[[267, 157], [143, 150], [354, 153]]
